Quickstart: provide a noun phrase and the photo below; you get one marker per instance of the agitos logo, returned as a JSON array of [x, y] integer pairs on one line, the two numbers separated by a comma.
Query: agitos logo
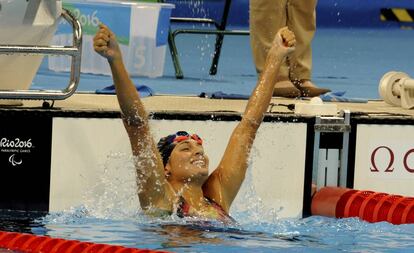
[[14, 161], [388, 166]]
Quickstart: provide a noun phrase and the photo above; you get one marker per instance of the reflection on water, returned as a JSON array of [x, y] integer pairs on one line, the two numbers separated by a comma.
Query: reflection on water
[[20, 221]]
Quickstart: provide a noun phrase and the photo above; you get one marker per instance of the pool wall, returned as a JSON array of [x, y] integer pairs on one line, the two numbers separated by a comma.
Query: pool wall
[[54, 160], [75, 159]]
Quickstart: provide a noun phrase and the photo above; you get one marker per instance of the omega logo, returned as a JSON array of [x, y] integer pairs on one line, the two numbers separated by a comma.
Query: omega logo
[[376, 167]]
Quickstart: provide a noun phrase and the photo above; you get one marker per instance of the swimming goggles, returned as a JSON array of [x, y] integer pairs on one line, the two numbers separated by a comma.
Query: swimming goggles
[[183, 135]]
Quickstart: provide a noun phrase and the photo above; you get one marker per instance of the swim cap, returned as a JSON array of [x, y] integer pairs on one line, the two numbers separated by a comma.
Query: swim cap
[[166, 144]]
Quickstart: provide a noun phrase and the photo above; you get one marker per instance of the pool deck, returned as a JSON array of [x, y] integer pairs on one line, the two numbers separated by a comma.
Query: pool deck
[[84, 102]]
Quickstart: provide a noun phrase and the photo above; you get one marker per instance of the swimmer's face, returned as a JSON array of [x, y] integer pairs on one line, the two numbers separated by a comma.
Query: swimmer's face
[[188, 162]]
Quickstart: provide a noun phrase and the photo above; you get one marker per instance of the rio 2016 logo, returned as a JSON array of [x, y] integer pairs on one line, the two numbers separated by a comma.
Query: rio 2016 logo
[[388, 166], [16, 146], [15, 143], [87, 20]]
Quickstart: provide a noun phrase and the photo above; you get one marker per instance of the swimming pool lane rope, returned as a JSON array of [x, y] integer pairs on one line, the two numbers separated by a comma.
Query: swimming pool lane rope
[[45, 244], [367, 205], [329, 201]]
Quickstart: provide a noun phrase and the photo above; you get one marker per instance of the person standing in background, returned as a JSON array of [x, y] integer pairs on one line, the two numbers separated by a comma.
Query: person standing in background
[[266, 18]]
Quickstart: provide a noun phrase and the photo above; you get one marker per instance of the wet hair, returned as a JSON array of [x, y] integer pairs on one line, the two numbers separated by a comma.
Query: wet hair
[[165, 147], [167, 144]]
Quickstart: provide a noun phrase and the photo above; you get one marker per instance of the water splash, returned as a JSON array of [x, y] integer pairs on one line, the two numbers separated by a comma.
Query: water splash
[[114, 195], [250, 209]]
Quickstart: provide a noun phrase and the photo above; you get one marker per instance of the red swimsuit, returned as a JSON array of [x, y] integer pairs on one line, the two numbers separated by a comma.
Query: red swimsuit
[[183, 210]]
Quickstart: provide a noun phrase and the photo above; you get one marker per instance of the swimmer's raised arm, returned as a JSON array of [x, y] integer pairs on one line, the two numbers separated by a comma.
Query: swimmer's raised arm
[[283, 44], [153, 190], [224, 183], [132, 109]]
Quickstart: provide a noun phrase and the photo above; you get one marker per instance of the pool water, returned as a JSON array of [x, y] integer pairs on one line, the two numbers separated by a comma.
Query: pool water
[[109, 214], [312, 234]]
